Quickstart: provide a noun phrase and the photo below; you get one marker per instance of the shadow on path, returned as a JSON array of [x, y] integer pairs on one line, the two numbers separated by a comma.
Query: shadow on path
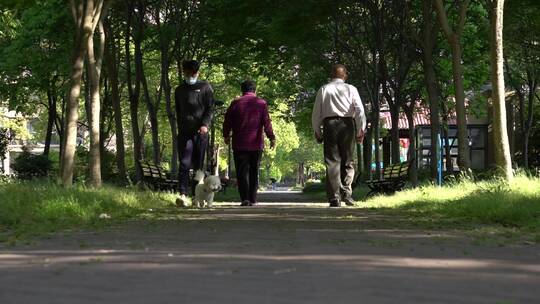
[[268, 254]]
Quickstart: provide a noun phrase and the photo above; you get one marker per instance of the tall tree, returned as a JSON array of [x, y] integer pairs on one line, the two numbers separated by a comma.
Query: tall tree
[[427, 42], [500, 133], [95, 62], [151, 106], [86, 14], [522, 67], [453, 36], [166, 32], [112, 63], [134, 88]]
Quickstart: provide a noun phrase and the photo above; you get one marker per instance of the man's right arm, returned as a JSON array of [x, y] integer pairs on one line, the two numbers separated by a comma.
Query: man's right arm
[[316, 116]]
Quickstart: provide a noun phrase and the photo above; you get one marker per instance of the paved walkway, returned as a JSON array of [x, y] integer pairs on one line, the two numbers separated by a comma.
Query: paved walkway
[[274, 253]]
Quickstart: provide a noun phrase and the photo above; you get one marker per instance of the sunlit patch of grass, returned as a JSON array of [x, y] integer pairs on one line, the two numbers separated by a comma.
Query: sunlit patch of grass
[[37, 208], [514, 204]]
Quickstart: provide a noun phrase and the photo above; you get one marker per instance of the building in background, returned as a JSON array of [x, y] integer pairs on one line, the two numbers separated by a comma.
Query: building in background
[[24, 130], [478, 139]]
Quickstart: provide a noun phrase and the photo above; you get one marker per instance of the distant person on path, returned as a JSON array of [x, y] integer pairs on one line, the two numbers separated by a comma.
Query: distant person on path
[[194, 101], [338, 120], [247, 117], [273, 181]]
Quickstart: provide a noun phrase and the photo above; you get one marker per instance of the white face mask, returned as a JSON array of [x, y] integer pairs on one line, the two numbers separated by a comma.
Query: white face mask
[[191, 80]]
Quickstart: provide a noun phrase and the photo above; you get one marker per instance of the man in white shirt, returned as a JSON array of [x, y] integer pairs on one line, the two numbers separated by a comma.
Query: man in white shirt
[[338, 120]]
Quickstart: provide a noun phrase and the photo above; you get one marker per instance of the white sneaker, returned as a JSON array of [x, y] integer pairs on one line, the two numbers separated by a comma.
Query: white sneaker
[[182, 201]]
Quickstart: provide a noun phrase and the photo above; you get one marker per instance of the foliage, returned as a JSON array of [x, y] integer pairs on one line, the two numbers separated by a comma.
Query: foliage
[[34, 57], [287, 48], [28, 165], [16, 125], [278, 162]]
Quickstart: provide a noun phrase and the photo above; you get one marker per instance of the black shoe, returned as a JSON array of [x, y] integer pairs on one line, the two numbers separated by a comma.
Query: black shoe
[[245, 204], [252, 204], [349, 202], [335, 203]]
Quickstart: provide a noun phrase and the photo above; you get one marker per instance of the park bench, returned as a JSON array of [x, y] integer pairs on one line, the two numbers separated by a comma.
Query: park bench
[[156, 178], [393, 179]]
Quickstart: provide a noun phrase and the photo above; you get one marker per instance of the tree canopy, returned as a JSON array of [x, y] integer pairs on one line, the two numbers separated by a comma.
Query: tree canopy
[[402, 55]]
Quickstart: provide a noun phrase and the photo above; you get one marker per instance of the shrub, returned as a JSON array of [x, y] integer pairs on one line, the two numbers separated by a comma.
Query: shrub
[[314, 187], [29, 166]]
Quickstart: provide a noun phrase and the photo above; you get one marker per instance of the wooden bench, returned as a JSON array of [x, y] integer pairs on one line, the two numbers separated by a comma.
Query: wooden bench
[[394, 179], [156, 178]]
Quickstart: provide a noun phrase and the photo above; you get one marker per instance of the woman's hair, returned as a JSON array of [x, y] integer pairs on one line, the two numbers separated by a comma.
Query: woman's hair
[[248, 86]]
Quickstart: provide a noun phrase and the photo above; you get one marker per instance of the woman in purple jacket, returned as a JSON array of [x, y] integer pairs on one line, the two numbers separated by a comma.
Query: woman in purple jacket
[[247, 117]]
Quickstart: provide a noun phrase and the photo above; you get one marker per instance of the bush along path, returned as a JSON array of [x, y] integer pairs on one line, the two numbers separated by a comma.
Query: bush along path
[[277, 253]]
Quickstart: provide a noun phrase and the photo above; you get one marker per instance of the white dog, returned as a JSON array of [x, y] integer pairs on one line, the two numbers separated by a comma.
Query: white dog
[[206, 187], [205, 190]]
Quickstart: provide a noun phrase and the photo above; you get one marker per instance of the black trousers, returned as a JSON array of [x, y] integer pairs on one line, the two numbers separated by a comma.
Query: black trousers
[[247, 174], [339, 146], [191, 151]]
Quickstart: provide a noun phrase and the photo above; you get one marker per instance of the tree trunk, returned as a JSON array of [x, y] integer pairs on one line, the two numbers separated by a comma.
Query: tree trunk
[[430, 80], [433, 97], [387, 151], [453, 38], [134, 92], [152, 109], [376, 114], [105, 117], [394, 134], [510, 126], [301, 175], [464, 161], [83, 20], [94, 68], [528, 123], [368, 153], [165, 83], [51, 117], [139, 70], [376, 137], [60, 127], [112, 73], [447, 148], [523, 124], [411, 154], [500, 133]]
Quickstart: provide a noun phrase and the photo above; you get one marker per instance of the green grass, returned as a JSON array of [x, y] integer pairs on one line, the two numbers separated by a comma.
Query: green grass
[[486, 202], [35, 208], [491, 202], [38, 208]]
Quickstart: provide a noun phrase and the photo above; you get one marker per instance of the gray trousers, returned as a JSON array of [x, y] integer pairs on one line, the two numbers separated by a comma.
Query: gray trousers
[[339, 134]]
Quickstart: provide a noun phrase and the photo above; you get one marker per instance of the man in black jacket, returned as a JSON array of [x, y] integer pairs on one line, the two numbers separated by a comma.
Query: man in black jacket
[[194, 101]]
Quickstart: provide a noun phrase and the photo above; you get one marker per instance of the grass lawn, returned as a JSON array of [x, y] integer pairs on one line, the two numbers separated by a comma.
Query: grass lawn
[[35, 208], [492, 203]]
